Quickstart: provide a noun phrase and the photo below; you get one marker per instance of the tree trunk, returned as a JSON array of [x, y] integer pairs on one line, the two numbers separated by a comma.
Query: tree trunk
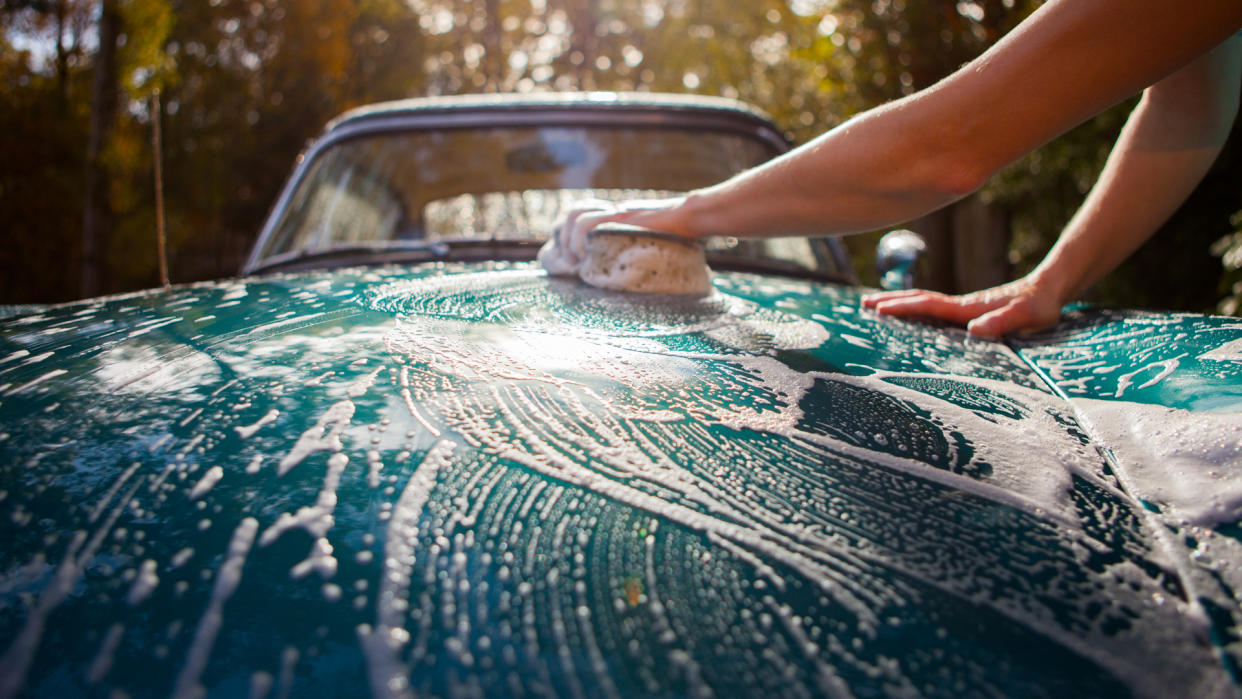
[[936, 271], [97, 221], [967, 247], [980, 245], [494, 67], [62, 56], [583, 46]]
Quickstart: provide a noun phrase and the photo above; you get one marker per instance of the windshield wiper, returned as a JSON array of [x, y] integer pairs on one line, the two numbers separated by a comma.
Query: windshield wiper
[[456, 249]]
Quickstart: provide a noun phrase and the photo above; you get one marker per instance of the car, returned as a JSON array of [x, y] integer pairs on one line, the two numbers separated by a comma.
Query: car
[[395, 456]]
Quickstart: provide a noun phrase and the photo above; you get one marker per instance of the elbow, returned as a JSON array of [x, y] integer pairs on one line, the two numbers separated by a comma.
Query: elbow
[[1203, 122], [952, 175], [963, 174], [952, 161], [1198, 104]]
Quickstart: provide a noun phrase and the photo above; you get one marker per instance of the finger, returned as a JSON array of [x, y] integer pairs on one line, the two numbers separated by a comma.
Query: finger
[[582, 225], [955, 309], [870, 300], [929, 305], [583, 208], [1019, 316], [1012, 317], [572, 217]]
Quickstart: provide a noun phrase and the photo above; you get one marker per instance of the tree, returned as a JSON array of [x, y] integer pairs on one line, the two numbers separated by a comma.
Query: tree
[[97, 223], [247, 82]]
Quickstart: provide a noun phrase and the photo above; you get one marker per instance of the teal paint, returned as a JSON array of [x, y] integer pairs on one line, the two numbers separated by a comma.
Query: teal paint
[[763, 491]]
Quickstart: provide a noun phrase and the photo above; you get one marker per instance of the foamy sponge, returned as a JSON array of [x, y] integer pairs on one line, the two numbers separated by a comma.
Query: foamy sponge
[[629, 258]]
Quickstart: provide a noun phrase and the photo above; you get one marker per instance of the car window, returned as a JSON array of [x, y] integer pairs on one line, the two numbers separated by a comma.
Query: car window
[[510, 183], [346, 203]]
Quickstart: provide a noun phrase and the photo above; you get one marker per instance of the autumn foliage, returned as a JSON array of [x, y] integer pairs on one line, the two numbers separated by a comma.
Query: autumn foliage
[[245, 83]]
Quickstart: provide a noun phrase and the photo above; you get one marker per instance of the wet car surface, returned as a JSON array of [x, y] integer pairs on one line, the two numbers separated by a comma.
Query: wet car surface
[[468, 478]]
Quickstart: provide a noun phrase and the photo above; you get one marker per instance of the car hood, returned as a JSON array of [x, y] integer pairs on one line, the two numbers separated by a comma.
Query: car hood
[[477, 478]]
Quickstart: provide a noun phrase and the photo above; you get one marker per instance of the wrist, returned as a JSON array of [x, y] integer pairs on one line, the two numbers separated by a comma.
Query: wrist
[[691, 216], [674, 215], [1052, 282]]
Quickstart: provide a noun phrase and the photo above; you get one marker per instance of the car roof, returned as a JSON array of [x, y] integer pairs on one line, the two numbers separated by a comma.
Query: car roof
[[638, 103]]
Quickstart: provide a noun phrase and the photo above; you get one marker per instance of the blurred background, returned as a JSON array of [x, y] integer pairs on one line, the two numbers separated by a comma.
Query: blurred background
[[243, 84]]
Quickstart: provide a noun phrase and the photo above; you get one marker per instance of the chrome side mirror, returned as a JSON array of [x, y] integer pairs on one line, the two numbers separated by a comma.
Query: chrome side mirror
[[895, 257]]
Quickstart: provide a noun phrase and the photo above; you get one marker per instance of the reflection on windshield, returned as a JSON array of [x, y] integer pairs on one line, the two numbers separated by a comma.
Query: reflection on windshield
[[513, 215], [398, 189]]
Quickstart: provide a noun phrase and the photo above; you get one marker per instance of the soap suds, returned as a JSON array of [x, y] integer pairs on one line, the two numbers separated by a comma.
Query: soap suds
[[107, 652], [316, 519], [103, 502], [35, 382], [1228, 352], [144, 584], [1183, 460], [325, 434], [15, 662], [511, 398], [320, 561]]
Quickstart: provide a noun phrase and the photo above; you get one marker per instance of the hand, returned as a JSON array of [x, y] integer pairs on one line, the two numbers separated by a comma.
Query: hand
[[557, 255], [1021, 306], [566, 250], [657, 214]]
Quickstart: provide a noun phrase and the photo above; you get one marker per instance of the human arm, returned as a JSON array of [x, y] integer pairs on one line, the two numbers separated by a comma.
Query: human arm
[[1068, 61], [1169, 142]]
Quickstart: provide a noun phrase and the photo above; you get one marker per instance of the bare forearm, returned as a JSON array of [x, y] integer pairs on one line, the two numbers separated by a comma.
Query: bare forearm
[[1072, 59], [1168, 144], [875, 170]]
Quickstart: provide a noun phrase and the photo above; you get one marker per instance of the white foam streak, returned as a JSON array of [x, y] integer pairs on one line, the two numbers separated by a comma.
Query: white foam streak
[[320, 561], [107, 652], [15, 662], [316, 519], [247, 431], [1228, 352], [99, 508], [227, 579], [323, 435], [35, 382], [1167, 367], [382, 645], [144, 583], [207, 482], [359, 388]]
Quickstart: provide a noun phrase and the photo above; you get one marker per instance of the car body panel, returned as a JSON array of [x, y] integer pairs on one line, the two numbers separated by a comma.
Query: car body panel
[[473, 478]]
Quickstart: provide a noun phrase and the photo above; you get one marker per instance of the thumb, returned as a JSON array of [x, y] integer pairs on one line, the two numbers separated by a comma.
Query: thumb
[[1001, 321]]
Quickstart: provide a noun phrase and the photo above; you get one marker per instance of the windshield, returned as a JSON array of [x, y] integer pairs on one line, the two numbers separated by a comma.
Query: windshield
[[403, 189]]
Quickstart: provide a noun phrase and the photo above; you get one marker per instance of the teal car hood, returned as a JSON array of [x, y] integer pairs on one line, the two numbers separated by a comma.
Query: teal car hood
[[477, 479]]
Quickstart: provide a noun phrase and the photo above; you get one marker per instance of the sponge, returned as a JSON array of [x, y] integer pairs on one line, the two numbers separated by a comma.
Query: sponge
[[630, 258]]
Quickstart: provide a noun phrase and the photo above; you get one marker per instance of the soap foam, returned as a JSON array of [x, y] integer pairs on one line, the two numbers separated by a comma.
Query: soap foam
[[518, 402], [1178, 459]]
